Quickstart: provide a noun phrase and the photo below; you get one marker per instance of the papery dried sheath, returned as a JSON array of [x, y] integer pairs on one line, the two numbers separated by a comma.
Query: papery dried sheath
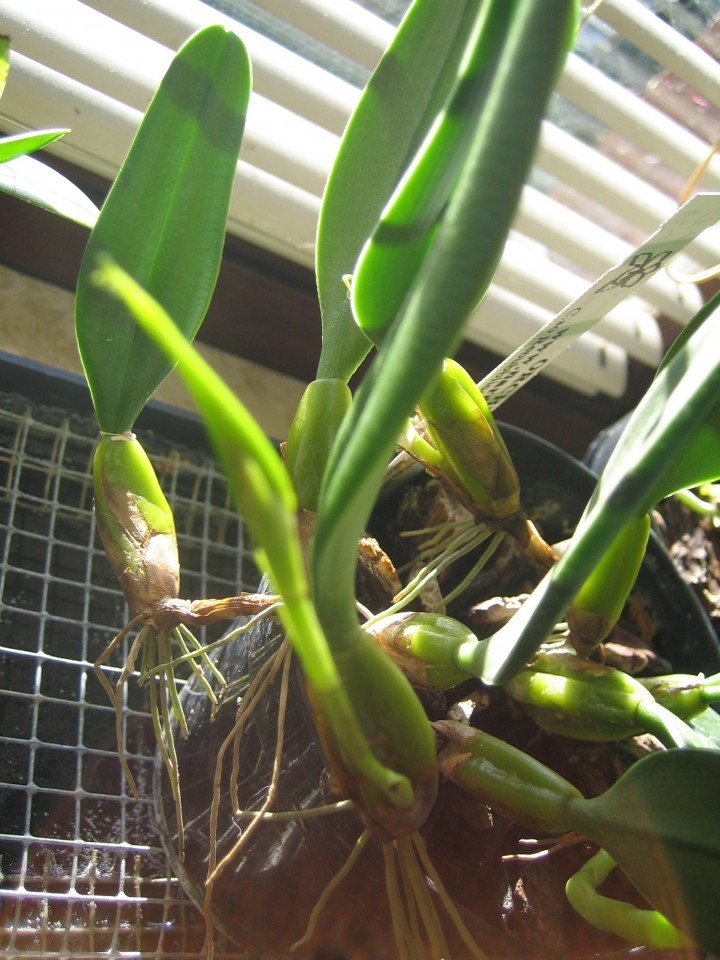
[[135, 523]]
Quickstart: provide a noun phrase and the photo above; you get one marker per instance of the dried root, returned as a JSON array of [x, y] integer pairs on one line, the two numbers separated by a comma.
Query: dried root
[[168, 621]]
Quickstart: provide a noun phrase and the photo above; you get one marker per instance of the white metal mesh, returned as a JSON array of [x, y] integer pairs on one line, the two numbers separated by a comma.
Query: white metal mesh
[[83, 873]]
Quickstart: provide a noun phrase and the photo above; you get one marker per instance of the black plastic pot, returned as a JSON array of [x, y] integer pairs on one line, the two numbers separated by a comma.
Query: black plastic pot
[[598, 453], [263, 899]]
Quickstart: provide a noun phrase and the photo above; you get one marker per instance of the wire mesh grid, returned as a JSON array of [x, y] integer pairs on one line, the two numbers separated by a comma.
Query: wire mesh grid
[[82, 871]]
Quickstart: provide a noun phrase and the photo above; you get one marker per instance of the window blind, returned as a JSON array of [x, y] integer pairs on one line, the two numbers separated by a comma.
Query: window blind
[[604, 178]]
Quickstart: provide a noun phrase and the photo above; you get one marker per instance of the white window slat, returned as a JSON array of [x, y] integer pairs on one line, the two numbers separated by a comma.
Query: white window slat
[[36, 97], [288, 146], [664, 44], [589, 366], [595, 249], [625, 113], [274, 214], [340, 24], [126, 66], [278, 74], [610, 185], [120, 62], [265, 209], [530, 274]]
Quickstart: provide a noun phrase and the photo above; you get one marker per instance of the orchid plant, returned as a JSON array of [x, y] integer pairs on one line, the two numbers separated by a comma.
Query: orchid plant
[[414, 218]]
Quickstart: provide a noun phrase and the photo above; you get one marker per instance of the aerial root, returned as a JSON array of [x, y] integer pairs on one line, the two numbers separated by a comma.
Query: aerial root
[[160, 624], [328, 891], [409, 877], [550, 845], [115, 693], [415, 918], [280, 660], [307, 813], [172, 617]]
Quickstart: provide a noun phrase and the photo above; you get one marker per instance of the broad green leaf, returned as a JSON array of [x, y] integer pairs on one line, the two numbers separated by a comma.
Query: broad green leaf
[[391, 258], [164, 221], [35, 182], [682, 407], [4, 61], [404, 94], [708, 724], [660, 823], [455, 274], [689, 329], [20, 144], [650, 458], [700, 461]]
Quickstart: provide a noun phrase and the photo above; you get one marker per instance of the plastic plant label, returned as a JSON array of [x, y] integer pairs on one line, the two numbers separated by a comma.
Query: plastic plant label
[[688, 222]]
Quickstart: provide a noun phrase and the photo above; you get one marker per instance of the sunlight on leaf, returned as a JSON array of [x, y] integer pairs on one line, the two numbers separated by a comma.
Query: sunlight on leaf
[[4, 61], [33, 181], [164, 220], [20, 144]]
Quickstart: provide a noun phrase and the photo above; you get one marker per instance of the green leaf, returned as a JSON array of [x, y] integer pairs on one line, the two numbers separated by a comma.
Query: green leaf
[[700, 461], [404, 94], [689, 329], [676, 427], [21, 144], [164, 221], [670, 439], [321, 410], [638, 925], [30, 180], [601, 598], [708, 724], [392, 256], [35, 182], [659, 822], [455, 274], [4, 61]]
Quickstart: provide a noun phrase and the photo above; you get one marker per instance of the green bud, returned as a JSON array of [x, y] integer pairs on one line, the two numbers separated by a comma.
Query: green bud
[[686, 695], [317, 420], [135, 523], [423, 645], [563, 661], [577, 707], [577, 698], [600, 601], [473, 455]]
